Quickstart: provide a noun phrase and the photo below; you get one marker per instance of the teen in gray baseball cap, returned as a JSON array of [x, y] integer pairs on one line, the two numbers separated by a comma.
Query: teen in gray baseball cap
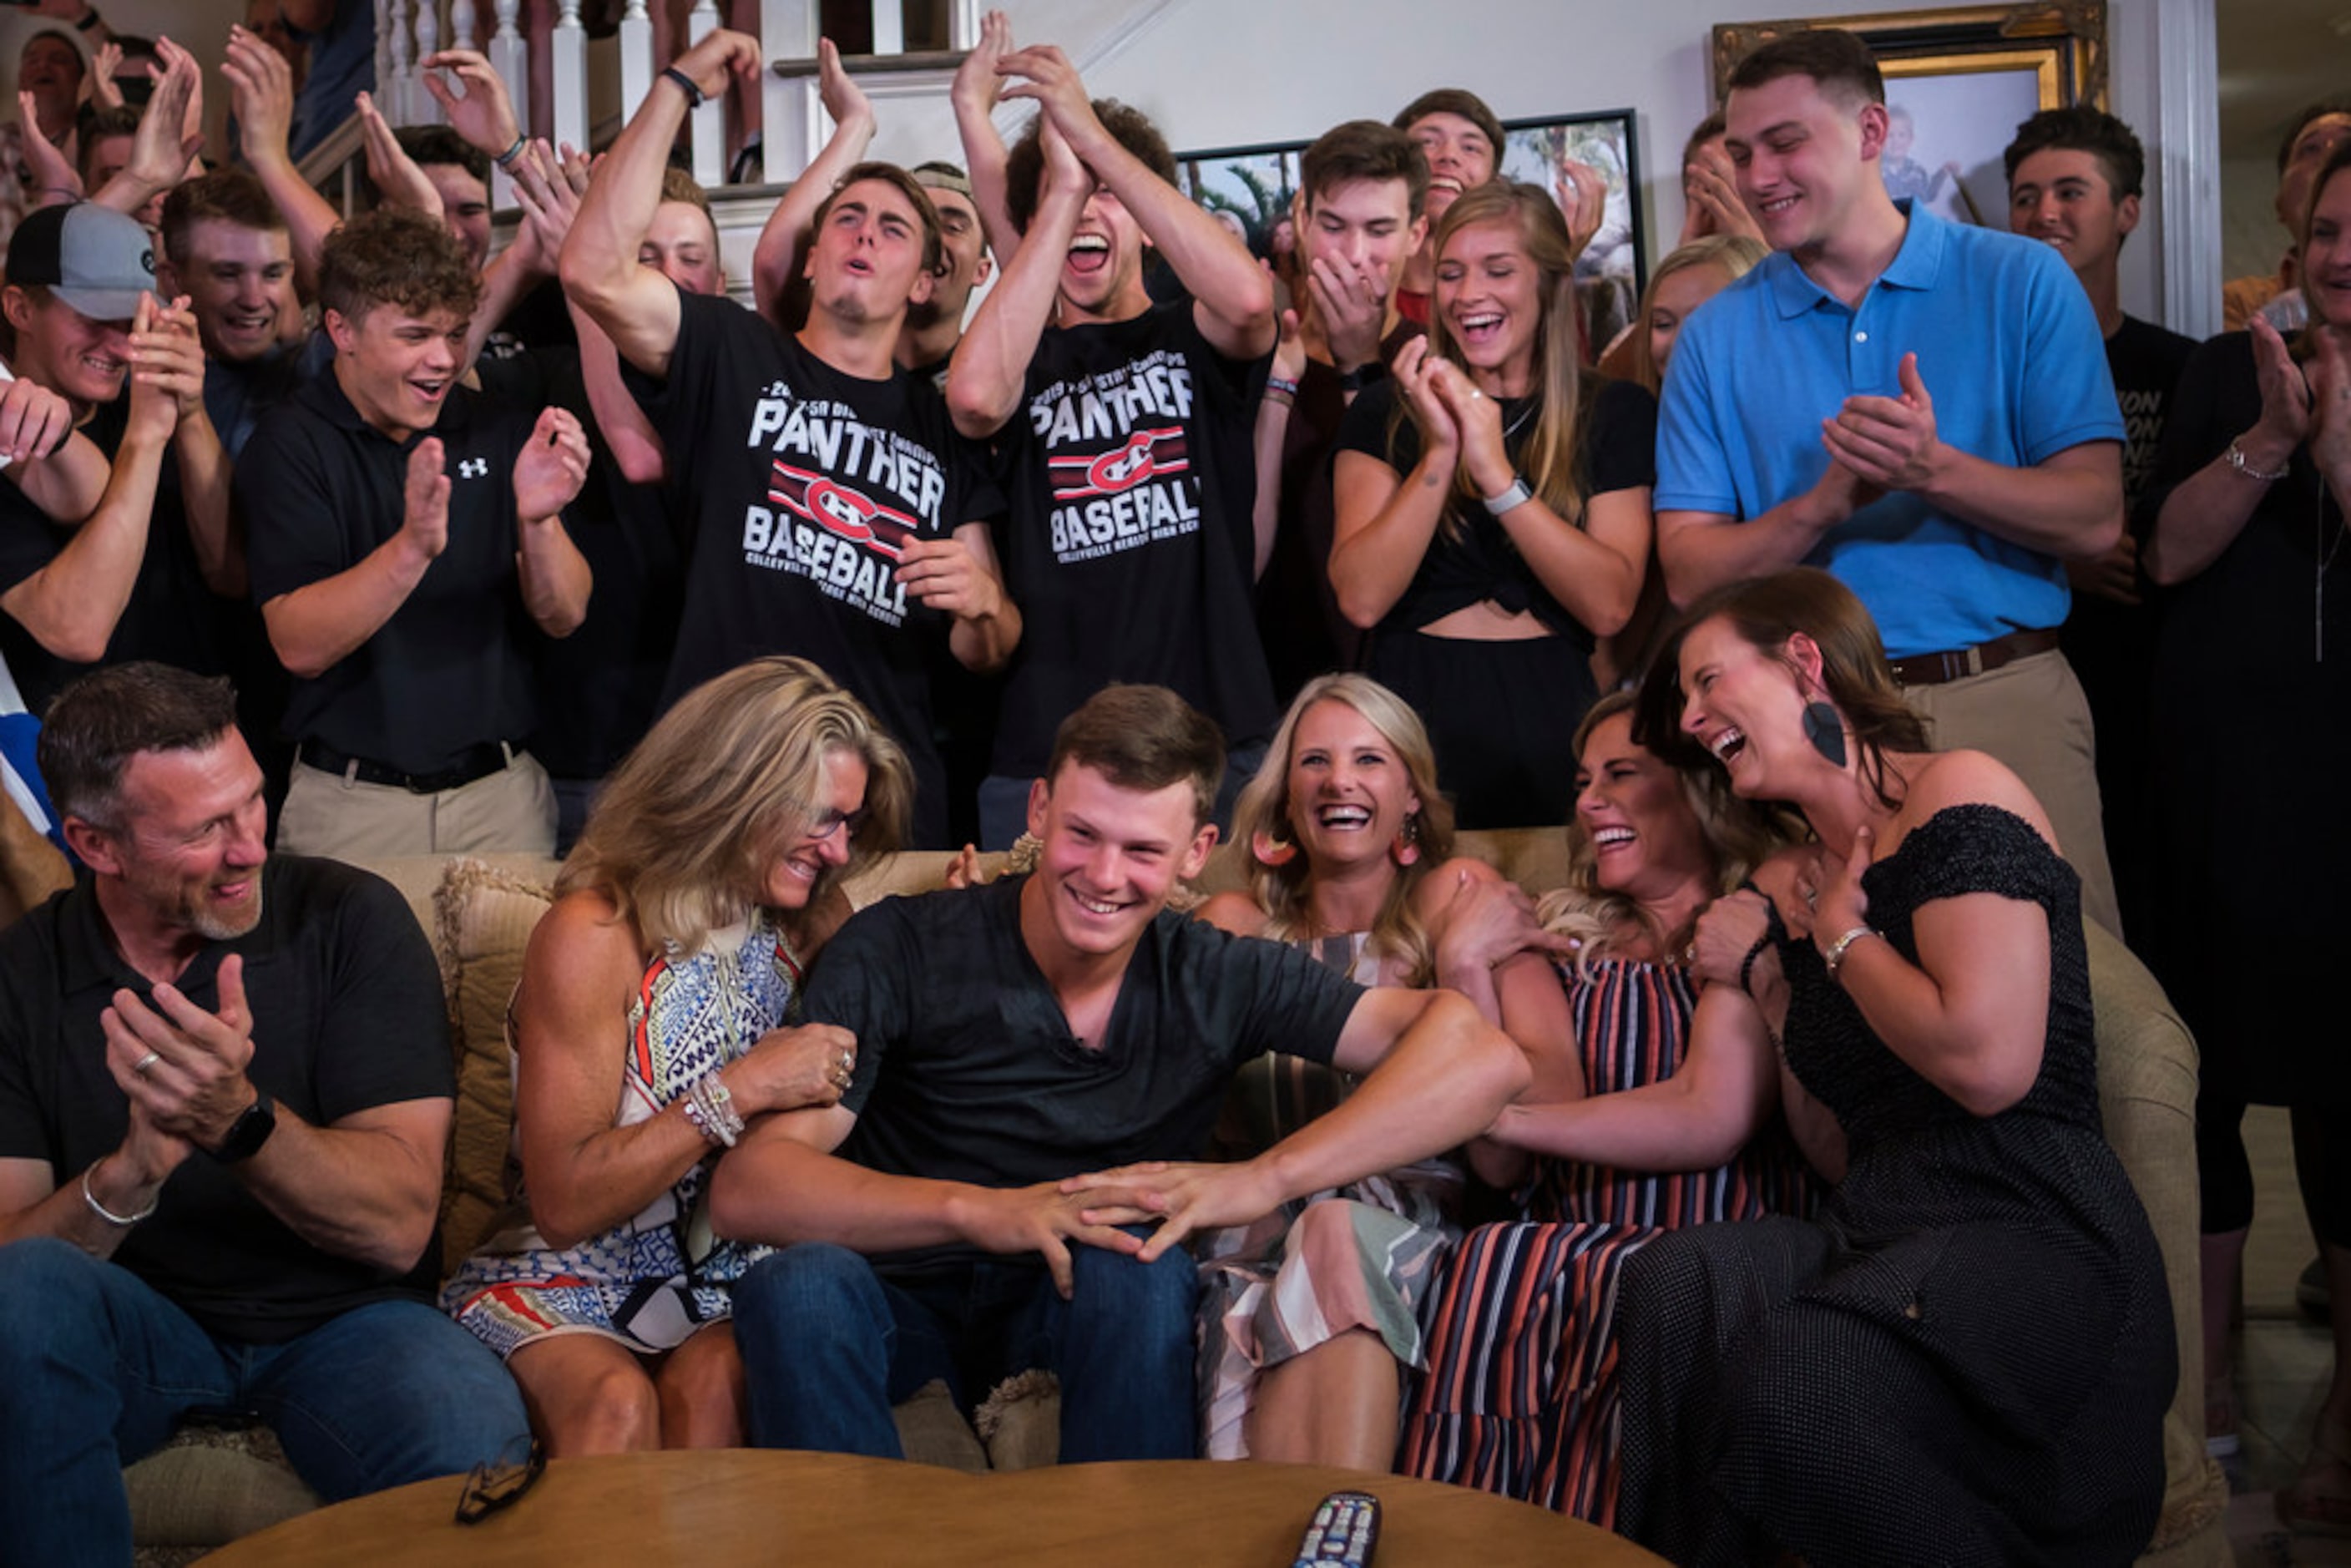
[[97, 260]]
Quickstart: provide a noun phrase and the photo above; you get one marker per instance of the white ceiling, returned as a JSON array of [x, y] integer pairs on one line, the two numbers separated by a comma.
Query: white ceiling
[[2276, 56]]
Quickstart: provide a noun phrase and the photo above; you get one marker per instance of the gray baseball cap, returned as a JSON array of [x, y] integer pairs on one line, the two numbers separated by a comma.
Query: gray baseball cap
[[94, 258]]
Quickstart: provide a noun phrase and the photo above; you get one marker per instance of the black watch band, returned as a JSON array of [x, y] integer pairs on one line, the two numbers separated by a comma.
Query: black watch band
[[1362, 376], [248, 1132]]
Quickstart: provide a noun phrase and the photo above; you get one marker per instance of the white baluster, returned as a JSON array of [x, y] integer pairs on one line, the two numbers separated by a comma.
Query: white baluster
[[391, 96], [791, 117], [510, 57], [889, 27], [710, 121], [464, 26], [385, 71], [424, 109], [570, 53], [962, 25], [637, 62]]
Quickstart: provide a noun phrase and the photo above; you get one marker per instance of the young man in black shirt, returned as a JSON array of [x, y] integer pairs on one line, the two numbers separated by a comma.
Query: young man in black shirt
[[835, 513], [133, 581], [1012, 1036], [225, 1095], [1362, 188], [407, 542], [1124, 431], [2074, 180]]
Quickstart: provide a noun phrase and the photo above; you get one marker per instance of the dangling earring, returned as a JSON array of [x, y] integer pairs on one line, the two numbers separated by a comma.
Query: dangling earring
[[1271, 852], [1826, 730], [1407, 848]]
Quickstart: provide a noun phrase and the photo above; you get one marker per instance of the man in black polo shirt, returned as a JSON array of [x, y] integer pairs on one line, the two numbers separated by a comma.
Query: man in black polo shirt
[[1012, 1036], [406, 541], [225, 1095], [1125, 432], [834, 512]]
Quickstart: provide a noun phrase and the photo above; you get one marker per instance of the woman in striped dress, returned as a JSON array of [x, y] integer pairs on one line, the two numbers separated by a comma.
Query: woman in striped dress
[[1520, 1395]]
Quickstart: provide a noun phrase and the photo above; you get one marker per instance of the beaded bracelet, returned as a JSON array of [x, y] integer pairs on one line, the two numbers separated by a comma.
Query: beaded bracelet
[[711, 1109], [1747, 965], [119, 1221]]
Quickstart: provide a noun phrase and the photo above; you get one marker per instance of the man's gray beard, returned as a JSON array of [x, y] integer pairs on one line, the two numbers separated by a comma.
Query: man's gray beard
[[214, 928]]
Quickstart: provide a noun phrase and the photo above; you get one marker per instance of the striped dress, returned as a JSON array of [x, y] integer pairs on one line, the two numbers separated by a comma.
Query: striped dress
[[656, 1278], [1520, 1395]]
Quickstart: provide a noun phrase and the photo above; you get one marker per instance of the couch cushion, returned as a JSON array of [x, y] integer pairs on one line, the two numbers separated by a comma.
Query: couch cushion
[[482, 917]]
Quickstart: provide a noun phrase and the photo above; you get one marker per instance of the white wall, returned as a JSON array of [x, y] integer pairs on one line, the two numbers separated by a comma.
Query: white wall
[[1220, 73]]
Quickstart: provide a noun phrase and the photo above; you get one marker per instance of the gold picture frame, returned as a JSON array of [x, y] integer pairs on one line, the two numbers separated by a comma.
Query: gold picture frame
[[2064, 42]]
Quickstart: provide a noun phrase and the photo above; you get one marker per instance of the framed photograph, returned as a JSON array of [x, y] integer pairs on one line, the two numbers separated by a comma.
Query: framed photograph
[[1958, 83], [1251, 188], [1248, 188]]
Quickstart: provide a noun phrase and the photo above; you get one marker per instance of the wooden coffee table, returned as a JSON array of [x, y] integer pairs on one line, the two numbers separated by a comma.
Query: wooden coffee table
[[750, 1506]]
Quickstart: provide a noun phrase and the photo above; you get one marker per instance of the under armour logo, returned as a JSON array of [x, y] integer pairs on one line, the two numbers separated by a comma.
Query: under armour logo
[[474, 467]]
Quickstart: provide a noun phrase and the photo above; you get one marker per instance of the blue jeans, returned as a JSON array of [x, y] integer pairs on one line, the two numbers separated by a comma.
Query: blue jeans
[[1004, 800], [97, 1368], [830, 1346]]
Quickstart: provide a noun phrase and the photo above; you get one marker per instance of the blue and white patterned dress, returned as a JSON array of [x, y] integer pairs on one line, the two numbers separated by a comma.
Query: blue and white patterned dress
[[655, 1279]]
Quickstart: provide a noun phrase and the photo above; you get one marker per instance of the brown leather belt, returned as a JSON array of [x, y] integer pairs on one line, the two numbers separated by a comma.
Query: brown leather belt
[[1958, 664]]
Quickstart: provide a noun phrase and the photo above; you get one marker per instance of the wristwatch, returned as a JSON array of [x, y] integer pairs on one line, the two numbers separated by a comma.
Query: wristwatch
[[1362, 376], [248, 1132]]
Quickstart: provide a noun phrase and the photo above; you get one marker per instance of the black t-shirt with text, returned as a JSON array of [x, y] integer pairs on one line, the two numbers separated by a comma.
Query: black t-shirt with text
[[1129, 549], [2146, 360], [802, 486]]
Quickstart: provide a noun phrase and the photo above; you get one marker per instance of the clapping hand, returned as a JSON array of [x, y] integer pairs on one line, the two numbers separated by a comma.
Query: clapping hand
[[551, 466]]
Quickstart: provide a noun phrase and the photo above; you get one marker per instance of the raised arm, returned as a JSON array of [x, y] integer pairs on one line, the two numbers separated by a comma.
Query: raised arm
[[991, 362], [2069, 505], [317, 626], [1972, 1017], [368, 1187], [1383, 522], [59, 469], [2203, 515], [1594, 571], [261, 91], [174, 353], [1232, 296], [160, 150], [635, 304], [553, 574], [72, 605], [1270, 435], [974, 94], [774, 260]]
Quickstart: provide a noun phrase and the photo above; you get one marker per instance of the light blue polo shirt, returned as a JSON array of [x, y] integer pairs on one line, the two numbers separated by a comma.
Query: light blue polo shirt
[[2009, 350]]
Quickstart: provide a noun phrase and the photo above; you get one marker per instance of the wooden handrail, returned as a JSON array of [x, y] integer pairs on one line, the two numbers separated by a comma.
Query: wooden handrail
[[946, 61]]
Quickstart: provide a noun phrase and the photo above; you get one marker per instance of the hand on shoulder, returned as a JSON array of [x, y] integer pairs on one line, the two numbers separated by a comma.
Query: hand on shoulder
[[1234, 912]]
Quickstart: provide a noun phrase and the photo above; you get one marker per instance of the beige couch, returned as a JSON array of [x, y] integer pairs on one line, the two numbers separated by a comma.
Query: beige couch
[[205, 1489]]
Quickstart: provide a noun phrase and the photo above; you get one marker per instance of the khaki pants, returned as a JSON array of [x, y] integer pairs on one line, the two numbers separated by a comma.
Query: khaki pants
[[2032, 715], [343, 819]]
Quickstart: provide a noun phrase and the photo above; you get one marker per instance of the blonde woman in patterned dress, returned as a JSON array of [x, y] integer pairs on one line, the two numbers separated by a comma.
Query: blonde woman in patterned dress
[[1310, 1315], [651, 1022]]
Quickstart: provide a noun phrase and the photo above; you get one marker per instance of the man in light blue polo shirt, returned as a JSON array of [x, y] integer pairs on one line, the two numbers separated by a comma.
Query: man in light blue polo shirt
[[1921, 408]]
